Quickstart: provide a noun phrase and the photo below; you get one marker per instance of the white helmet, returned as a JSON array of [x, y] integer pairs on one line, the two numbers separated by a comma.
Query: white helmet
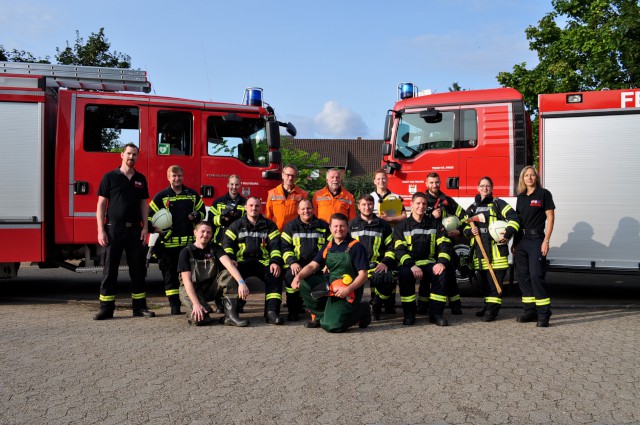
[[450, 223], [162, 219], [497, 229]]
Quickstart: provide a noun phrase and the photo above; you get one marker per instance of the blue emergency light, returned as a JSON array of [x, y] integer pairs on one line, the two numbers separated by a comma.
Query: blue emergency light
[[252, 96], [406, 90]]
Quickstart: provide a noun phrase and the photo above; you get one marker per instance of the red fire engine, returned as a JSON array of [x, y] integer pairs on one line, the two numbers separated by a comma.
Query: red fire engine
[[587, 153], [61, 128]]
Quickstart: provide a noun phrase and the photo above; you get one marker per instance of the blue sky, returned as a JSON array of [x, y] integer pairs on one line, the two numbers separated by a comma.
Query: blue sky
[[330, 67]]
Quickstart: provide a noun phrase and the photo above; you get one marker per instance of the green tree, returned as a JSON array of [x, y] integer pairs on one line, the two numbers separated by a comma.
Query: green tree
[[359, 185], [20, 56], [455, 87], [597, 47], [95, 52], [309, 165]]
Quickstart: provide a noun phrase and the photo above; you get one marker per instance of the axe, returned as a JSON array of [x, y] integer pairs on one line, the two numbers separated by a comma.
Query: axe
[[480, 219]]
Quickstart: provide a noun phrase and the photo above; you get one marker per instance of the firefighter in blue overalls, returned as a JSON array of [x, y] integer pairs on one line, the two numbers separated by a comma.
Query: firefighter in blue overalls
[[377, 237], [439, 206], [187, 209], [497, 252], [301, 239], [338, 305], [253, 242], [536, 210], [423, 252]]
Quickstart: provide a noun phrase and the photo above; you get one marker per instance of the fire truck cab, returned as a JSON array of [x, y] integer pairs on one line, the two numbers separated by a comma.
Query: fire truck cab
[[62, 128]]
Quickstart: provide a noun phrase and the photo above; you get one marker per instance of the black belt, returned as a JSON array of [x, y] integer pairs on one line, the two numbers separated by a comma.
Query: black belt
[[533, 232], [121, 224]]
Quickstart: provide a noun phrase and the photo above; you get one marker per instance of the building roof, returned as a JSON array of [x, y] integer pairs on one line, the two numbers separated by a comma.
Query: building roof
[[360, 156]]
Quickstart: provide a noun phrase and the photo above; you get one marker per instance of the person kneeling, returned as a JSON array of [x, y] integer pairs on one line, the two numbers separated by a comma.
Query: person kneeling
[[201, 280], [334, 299]]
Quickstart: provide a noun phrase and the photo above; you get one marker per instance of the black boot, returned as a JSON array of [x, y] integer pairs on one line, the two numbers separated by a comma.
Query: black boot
[[375, 306], [481, 312], [104, 314], [366, 321], [140, 308], [390, 304], [423, 307], [293, 305], [527, 316], [409, 310], [438, 320], [231, 313], [272, 313], [174, 302], [456, 307], [219, 305]]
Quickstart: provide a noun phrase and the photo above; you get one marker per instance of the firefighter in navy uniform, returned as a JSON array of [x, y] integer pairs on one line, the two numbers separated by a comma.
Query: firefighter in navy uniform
[[227, 209], [536, 210], [224, 211], [121, 214], [253, 242], [440, 206], [301, 239], [187, 209], [423, 253], [376, 236], [498, 253]]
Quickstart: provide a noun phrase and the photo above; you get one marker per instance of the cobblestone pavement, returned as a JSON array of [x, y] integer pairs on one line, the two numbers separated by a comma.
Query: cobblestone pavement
[[60, 367]]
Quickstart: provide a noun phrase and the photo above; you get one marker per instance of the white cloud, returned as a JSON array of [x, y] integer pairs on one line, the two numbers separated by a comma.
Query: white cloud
[[339, 122]]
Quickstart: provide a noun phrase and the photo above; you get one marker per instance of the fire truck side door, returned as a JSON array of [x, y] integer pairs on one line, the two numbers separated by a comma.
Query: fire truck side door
[[101, 126]]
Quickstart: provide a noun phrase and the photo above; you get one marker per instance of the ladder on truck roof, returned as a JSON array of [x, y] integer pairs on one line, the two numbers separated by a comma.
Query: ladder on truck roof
[[82, 77]]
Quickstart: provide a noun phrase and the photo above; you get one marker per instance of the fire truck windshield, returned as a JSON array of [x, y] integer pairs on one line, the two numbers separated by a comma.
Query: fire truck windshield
[[414, 135], [244, 139]]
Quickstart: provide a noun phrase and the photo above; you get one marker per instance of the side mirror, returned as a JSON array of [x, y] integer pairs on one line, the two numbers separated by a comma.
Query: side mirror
[[291, 129], [388, 127], [431, 116], [273, 135]]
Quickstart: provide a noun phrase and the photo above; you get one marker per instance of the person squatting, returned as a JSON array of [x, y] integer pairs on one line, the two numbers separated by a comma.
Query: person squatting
[[323, 250]]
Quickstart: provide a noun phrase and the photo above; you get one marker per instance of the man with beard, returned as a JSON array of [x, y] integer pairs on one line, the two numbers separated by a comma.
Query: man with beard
[[121, 214], [253, 242], [302, 238], [334, 198]]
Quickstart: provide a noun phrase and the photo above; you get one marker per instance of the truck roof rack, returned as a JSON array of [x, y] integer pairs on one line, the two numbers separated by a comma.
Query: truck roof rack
[[82, 77]]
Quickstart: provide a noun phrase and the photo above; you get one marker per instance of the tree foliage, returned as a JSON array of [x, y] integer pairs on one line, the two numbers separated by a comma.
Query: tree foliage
[[95, 52], [20, 56], [581, 45], [309, 165]]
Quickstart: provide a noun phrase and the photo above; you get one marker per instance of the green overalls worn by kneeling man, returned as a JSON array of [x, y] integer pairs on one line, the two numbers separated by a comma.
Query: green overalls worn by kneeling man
[[337, 314]]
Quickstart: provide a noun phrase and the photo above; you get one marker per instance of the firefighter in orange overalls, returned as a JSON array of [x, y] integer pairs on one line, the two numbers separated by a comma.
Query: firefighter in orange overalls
[[283, 200], [334, 198]]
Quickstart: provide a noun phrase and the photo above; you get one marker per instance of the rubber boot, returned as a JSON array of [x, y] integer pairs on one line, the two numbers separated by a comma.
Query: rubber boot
[[174, 303], [529, 315], [409, 310], [219, 305], [231, 313], [375, 306]]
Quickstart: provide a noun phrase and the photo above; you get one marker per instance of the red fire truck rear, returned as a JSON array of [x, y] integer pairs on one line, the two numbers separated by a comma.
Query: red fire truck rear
[[588, 150], [62, 127]]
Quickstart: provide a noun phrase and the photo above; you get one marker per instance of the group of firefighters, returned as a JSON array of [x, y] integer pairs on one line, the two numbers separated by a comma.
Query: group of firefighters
[[323, 250]]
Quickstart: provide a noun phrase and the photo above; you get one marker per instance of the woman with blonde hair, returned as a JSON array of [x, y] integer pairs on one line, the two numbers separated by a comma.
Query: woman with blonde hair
[[535, 210]]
